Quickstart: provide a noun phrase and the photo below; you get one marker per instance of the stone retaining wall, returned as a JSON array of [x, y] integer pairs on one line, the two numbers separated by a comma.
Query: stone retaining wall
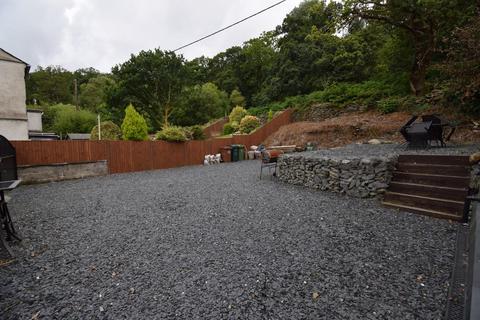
[[61, 171], [355, 176]]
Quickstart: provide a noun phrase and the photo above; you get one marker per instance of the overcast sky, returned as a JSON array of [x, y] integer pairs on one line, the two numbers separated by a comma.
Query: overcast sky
[[101, 33]]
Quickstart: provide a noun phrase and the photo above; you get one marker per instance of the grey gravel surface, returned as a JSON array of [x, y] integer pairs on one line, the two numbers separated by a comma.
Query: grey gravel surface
[[216, 243], [372, 150]]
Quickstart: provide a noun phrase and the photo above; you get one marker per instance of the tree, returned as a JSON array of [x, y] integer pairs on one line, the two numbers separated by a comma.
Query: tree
[[108, 130], [84, 75], [153, 81], [93, 94], [134, 126], [199, 104], [304, 60], [236, 98], [463, 66], [223, 69], [50, 85], [197, 70], [424, 21]]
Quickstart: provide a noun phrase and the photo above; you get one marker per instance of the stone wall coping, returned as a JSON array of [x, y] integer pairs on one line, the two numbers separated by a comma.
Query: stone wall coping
[[312, 155], [59, 164]]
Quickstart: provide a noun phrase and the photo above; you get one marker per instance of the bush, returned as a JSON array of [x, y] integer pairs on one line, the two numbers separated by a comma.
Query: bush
[[50, 113], [341, 95], [109, 130], [172, 134], [69, 120], [228, 128], [134, 126], [270, 115], [196, 132], [249, 123], [236, 98], [388, 105], [237, 114]]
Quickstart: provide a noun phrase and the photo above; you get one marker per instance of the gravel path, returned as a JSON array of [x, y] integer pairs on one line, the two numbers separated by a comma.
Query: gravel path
[[216, 243], [368, 150]]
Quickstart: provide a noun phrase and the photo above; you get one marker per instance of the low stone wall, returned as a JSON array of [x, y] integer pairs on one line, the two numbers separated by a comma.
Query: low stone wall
[[362, 177], [61, 171]]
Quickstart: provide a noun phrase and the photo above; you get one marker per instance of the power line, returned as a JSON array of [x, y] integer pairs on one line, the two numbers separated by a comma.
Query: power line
[[229, 26]]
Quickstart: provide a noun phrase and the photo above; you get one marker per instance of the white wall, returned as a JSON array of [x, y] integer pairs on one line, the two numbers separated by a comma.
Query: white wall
[[14, 129], [13, 112], [34, 121]]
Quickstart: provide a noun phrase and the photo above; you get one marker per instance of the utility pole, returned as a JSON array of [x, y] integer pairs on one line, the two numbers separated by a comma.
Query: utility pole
[[75, 89], [99, 129]]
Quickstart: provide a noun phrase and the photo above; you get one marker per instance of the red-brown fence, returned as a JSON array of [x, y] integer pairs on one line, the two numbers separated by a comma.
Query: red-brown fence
[[127, 156], [215, 128]]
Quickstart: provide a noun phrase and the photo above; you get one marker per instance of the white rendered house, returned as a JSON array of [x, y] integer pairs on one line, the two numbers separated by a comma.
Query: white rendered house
[[13, 111]]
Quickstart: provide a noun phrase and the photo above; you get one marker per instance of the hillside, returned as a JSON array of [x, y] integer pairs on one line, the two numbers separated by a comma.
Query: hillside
[[357, 127]]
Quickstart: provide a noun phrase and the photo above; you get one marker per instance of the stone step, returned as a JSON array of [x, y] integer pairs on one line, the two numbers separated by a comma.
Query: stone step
[[426, 212], [432, 179], [428, 203], [448, 193]]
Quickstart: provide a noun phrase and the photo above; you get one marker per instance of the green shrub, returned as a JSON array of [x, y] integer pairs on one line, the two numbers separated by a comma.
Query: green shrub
[[69, 120], [228, 128], [196, 132], [270, 115], [340, 95], [236, 98], [134, 126], [237, 114], [172, 134], [249, 123], [50, 113], [109, 130], [388, 105]]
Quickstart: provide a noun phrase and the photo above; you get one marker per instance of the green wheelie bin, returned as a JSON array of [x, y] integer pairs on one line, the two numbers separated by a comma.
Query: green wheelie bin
[[235, 152]]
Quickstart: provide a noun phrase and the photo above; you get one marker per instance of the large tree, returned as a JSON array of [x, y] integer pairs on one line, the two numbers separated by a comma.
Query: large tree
[[83, 75], [223, 68], [93, 94], [50, 85], [298, 69], [199, 104], [257, 62], [463, 66], [152, 80], [424, 21]]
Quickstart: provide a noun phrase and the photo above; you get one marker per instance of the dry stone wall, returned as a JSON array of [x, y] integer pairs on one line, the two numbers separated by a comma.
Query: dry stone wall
[[363, 177]]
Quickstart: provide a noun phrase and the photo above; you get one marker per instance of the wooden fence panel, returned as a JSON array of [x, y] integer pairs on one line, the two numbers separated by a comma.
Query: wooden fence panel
[[127, 156], [168, 154], [215, 128]]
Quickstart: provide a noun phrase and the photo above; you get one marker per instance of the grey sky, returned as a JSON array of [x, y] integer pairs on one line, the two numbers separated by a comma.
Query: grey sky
[[102, 33]]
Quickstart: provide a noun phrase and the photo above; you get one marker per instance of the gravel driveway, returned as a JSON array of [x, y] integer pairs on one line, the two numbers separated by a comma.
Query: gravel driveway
[[216, 243]]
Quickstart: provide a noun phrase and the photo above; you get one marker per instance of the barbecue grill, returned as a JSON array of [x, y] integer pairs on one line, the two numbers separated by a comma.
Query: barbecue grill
[[8, 181], [430, 131]]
